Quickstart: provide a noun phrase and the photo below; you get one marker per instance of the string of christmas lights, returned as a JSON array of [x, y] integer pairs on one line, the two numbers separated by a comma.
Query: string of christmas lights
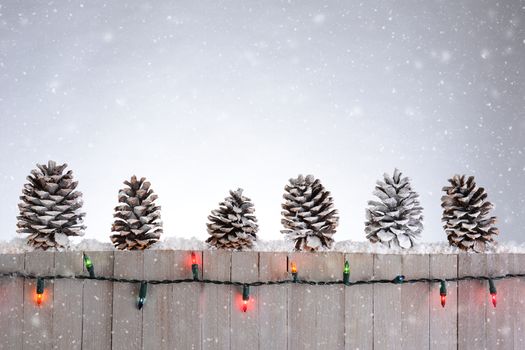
[[399, 279]]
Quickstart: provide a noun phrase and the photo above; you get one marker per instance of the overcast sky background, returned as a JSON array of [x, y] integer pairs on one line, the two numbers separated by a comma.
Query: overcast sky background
[[206, 96]]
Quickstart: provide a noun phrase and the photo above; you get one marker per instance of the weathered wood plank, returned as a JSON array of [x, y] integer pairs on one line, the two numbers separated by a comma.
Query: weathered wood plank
[[499, 320], [186, 314], [98, 304], [12, 302], [38, 319], [272, 301], [359, 303], [387, 303], [157, 332], [127, 319], [67, 302], [519, 301], [244, 329], [216, 300], [443, 320], [415, 302], [472, 302], [322, 306]]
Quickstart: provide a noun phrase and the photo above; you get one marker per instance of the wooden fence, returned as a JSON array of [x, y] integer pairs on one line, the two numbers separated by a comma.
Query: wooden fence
[[89, 314]]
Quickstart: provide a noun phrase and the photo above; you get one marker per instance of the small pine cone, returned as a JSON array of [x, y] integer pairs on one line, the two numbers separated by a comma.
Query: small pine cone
[[396, 220], [137, 218], [233, 225], [50, 207], [309, 217], [465, 215]]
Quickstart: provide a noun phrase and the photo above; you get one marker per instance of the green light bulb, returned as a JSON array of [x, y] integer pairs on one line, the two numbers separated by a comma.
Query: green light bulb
[[346, 273], [87, 262]]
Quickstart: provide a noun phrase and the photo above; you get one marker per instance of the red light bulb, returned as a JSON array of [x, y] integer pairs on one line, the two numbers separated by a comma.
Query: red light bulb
[[193, 258], [244, 305], [443, 300], [493, 297], [39, 290]]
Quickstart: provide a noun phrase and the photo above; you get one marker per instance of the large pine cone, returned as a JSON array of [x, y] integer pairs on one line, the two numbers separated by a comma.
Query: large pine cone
[[50, 207], [396, 219], [465, 214], [137, 218], [309, 217], [233, 225]]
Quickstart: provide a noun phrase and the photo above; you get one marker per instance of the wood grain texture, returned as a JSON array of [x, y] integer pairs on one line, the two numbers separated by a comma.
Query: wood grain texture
[[244, 330], [98, 304], [127, 319], [518, 315], [443, 320], [272, 301], [415, 303], [322, 306], [67, 303], [295, 316], [38, 319], [499, 319], [11, 302], [216, 300], [472, 302], [387, 303], [157, 313], [359, 303], [186, 317]]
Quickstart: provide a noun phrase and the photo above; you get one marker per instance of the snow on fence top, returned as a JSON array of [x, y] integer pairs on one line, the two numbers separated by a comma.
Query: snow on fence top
[[18, 245]]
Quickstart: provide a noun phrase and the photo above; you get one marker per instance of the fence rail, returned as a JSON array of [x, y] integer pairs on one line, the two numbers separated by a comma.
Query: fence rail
[[94, 314]]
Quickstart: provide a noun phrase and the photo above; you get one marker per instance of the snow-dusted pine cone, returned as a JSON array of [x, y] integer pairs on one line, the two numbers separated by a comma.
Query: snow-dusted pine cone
[[396, 219], [309, 217], [465, 214], [137, 218], [233, 225], [50, 207]]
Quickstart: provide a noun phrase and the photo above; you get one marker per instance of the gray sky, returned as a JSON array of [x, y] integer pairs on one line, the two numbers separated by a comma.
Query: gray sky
[[206, 96]]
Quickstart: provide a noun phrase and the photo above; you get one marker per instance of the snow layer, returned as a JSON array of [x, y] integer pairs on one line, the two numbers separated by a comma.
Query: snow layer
[[18, 245]]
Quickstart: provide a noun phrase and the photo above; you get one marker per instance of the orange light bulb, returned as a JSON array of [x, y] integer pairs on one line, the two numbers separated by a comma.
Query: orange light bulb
[[39, 298], [294, 268]]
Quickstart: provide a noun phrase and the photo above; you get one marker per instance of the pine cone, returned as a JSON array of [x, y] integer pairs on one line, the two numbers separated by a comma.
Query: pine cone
[[50, 207], [465, 214], [137, 218], [233, 225], [308, 215], [396, 219]]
